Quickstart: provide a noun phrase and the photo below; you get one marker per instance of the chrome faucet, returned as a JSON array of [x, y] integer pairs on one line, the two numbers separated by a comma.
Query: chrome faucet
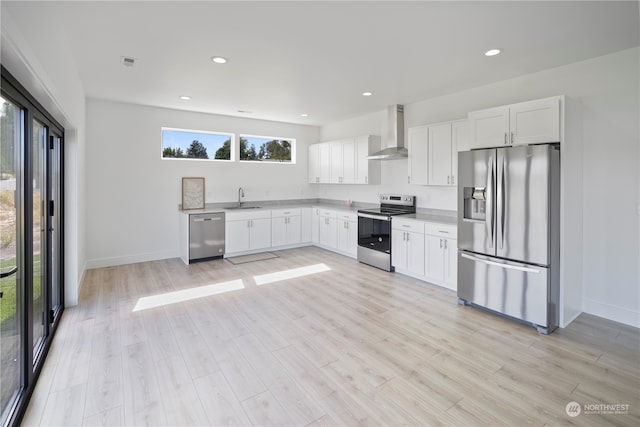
[[240, 194]]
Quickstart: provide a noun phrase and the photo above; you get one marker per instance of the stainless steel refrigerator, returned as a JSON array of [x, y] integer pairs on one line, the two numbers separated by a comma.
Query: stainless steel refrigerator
[[509, 232]]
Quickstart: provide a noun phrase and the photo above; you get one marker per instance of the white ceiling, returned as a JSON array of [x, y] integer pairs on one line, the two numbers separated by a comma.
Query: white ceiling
[[288, 58]]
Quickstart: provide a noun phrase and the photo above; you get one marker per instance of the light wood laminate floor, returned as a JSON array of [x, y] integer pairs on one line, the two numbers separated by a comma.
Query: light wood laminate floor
[[340, 344]]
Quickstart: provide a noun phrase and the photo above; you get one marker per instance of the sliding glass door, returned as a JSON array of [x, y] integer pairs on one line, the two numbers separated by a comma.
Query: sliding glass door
[[11, 137], [31, 244]]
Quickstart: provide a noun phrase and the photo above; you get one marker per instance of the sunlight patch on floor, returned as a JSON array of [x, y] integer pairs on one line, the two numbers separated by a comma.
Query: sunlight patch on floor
[[160, 300], [265, 279]]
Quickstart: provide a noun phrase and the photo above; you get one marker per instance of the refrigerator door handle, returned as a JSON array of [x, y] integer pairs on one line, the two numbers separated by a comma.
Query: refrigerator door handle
[[498, 264], [500, 202], [489, 220]]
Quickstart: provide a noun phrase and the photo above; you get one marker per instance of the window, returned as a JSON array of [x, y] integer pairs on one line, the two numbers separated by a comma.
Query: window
[[192, 144], [267, 149]]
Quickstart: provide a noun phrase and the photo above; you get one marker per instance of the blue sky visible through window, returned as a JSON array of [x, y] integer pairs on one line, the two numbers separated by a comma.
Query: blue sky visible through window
[[183, 139]]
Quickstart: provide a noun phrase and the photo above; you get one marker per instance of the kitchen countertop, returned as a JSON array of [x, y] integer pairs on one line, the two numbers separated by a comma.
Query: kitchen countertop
[[422, 214], [431, 217], [281, 204]]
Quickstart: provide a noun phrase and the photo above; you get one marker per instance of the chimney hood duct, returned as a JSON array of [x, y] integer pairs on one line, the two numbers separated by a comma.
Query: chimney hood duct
[[395, 137]]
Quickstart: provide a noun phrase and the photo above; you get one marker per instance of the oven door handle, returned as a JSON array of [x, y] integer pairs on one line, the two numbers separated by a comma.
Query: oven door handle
[[378, 217]]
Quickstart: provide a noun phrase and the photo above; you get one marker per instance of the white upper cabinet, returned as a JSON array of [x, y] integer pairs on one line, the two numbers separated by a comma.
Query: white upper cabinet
[[313, 164], [336, 163], [531, 122], [439, 157], [418, 147], [344, 161], [535, 122], [433, 152], [348, 162], [367, 171]]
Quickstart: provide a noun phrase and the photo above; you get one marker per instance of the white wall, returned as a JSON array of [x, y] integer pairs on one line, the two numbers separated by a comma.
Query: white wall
[[608, 88], [133, 194], [34, 53]]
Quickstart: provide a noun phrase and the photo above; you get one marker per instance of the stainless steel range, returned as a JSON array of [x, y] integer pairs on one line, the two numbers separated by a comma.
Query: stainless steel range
[[374, 229]]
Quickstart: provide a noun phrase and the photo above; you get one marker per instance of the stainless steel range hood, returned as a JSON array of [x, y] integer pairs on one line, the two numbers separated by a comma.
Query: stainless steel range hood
[[395, 137]]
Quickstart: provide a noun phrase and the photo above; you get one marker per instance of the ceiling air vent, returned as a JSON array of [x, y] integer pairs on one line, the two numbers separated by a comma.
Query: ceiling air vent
[[127, 61]]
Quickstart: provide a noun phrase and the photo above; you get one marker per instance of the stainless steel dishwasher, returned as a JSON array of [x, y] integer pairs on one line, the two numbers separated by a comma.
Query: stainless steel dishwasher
[[206, 236]]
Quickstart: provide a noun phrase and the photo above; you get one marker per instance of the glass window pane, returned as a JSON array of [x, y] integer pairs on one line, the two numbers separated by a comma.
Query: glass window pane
[[266, 149], [10, 143], [186, 144], [38, 181]]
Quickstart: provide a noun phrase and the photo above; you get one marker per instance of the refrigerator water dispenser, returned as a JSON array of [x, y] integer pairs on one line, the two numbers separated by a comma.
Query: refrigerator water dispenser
[[474, 203]]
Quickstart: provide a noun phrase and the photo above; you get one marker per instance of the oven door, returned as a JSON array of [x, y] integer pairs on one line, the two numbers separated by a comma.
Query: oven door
[[374, 232]]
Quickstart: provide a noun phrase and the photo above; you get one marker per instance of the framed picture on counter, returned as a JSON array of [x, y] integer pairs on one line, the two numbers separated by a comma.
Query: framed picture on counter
[[192, 193]]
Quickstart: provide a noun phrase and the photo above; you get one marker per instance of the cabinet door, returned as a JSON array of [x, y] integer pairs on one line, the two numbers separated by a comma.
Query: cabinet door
[[352, 230], [459, 142], [313, 166], [294, 230], [535, 122], [434, 258], [367, 171], [306, 225], [315, 225], [348, 162], [439, 158], [399, 254], [418, 147], [236, 236], [260, 233], [343, 236], [415, 253], [328, 232], [489, 128], [325, 162], [279, 231], [335, 171], [451, 264]]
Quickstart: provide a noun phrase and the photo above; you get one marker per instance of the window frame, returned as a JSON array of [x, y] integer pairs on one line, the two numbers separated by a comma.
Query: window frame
[[232, 137]]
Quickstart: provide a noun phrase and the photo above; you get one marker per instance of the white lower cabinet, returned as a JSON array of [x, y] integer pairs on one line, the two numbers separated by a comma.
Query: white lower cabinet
[[407, 247], [441, 262], [328, 229], [247, 231], [347, 233], [306, 225], [285, 227]]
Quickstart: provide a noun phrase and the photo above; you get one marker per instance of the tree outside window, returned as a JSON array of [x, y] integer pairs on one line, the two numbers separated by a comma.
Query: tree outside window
[[187, 144]]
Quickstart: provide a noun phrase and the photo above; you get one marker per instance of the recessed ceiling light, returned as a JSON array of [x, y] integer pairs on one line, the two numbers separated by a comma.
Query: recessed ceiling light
[[185, 97], [219, 59], [493, 52], [367, 93], [304, 115]]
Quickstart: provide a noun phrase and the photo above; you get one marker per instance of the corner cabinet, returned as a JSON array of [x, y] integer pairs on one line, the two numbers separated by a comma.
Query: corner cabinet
[[433, 152], [344, 161], [531, 122]]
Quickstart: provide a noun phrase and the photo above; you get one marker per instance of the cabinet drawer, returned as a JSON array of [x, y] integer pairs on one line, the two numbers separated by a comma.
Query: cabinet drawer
[[252, 214], [347, 216], [276, 213], [327, 213], [404, 225], [441, 230]]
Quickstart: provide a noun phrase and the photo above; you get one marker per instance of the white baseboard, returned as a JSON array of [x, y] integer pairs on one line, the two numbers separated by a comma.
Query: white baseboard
[[611, 312], [131, 259]]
